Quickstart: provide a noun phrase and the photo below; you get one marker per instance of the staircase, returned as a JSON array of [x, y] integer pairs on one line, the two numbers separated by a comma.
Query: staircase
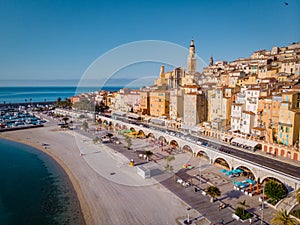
[[288, 203]]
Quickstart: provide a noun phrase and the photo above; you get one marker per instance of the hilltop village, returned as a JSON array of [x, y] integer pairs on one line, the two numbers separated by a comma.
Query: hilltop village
[[255, 98]]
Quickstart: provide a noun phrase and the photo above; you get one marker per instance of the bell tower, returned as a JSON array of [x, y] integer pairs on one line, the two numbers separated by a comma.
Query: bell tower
[[192, 59], [211, 61]]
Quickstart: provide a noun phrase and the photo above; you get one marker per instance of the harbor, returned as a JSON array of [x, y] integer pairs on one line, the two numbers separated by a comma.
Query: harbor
[[12, 118]]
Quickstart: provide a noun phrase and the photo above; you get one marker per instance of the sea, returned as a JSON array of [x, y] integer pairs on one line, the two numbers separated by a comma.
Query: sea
[[44, 94], [34, 189]]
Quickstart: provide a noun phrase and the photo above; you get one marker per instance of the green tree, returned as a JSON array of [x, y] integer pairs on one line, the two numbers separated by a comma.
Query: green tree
[[148, 154], [128, 142], [96, 139], [283, 218], [100, 106], [85, 125], [85, 104], [243, 205], [275, 190], [168, 159], [213, 191]]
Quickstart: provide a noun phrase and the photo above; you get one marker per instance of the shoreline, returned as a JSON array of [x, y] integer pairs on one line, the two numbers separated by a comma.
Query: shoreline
[[103, 199], [84, 207]]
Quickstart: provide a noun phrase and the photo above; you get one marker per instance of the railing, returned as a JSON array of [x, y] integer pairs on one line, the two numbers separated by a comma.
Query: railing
[[233, 156]]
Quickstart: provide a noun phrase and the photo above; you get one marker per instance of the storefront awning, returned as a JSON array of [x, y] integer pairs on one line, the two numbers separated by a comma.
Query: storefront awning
[[244, 142]]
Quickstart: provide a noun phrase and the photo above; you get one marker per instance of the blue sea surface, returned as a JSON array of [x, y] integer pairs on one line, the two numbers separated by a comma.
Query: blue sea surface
[[41, 94], [34, 189]]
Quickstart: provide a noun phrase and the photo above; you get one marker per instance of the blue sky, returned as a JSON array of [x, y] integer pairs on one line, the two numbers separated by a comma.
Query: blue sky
[[45, 40]]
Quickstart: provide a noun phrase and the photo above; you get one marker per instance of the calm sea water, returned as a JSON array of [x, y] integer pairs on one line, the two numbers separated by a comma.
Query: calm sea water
[[34, 190], [41, 94]]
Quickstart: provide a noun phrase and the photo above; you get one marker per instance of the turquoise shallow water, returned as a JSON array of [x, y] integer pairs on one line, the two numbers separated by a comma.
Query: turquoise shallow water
[[34, 189]]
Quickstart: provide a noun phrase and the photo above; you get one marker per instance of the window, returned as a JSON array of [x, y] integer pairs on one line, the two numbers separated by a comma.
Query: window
[[286, 129]]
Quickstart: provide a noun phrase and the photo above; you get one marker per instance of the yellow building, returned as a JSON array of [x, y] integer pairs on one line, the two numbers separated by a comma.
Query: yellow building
[[178, 77], [159, 103], [249, 80], [289, 119], [171, 79]]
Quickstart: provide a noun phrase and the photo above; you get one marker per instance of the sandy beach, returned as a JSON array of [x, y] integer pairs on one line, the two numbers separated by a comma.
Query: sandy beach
[[103, 200]]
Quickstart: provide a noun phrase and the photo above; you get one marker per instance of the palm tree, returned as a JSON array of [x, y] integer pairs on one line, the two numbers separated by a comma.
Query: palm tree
[[243, 205], [65, 119], [168, 159], [85, 125], [298, 196], [148, 154], [283, 218], [58, 102], [213, 191]]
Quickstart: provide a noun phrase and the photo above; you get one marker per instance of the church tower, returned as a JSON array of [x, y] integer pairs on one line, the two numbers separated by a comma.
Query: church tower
[[211, 61], [192, 59]]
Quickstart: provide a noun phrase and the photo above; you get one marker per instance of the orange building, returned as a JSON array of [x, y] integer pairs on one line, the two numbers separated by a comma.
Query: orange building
[[159, 103], [145, 102]]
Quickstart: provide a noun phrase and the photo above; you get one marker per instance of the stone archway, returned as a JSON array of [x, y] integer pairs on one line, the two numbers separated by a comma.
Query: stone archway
[[174, 144], [247, 172], [222, 163], [187, 148], [203, 155], [162, 140]]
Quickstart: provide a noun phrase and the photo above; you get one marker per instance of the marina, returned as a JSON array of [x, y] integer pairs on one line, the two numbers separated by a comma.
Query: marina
[[19, 118]]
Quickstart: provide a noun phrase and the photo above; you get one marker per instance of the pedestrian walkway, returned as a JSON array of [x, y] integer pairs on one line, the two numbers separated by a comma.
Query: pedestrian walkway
[[203, 205]]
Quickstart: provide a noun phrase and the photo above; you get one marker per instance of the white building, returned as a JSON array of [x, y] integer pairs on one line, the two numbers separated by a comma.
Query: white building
[[251, 100], [247, 124], [236, 116], [176, 104]]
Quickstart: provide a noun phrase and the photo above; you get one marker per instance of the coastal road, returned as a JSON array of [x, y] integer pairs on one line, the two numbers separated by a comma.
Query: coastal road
[[258, 159]]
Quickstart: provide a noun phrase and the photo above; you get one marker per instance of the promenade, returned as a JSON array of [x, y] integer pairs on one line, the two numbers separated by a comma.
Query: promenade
[[195, 200], [107, 166]]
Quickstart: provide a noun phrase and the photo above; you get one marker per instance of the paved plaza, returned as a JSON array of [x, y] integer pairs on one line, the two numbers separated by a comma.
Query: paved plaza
[[202, 175]]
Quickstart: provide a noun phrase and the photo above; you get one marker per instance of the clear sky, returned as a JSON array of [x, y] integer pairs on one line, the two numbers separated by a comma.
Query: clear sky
[[54, 39]]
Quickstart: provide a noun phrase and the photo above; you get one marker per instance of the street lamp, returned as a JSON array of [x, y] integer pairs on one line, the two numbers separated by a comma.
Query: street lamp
[[188, 214], [262, 207]]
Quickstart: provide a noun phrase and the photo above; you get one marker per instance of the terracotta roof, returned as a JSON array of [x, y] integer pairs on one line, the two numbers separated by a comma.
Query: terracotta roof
[[258, 128], [249, 112]]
